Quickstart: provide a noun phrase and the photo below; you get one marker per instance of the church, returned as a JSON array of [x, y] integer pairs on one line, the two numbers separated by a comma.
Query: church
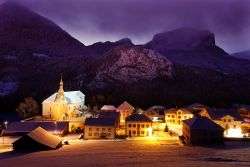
[[64, 106]]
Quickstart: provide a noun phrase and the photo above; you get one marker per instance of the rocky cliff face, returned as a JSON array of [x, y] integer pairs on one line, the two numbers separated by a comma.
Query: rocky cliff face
[[128, 65], [191, 47]]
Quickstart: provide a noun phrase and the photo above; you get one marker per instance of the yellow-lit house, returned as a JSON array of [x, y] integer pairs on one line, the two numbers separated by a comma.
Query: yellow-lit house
[[138, 125], [156, 114], [174, 118], [64, 106], [125, 110], [229, 119], [100, 128]]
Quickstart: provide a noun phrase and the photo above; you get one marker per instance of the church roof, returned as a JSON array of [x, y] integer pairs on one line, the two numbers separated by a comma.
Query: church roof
[[71, 97]]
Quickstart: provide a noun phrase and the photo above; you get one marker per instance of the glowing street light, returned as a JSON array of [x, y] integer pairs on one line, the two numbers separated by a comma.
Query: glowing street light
[[150, 132], [5, 127], [234, 133], [55, 132]]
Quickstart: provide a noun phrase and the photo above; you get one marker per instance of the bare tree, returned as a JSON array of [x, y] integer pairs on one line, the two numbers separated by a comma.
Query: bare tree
[[28, 108]]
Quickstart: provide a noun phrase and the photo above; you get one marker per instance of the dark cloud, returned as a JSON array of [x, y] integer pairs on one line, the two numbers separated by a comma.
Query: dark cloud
[[100, 20]]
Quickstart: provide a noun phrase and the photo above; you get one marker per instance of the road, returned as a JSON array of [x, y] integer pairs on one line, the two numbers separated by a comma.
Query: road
[[136, 153]]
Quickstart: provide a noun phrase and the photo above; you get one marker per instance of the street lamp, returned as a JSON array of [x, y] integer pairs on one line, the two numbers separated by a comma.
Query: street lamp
[[55, 127], [5, 127]]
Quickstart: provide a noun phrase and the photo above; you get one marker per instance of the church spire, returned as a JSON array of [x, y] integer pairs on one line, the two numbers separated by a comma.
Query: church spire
[[61, 86], [60, 93]]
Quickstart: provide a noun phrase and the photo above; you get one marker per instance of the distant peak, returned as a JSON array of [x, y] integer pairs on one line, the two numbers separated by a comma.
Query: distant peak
[[183, 38], [125, 41]]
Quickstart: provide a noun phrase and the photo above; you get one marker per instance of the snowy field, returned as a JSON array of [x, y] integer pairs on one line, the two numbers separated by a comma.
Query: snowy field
[[131, 154]]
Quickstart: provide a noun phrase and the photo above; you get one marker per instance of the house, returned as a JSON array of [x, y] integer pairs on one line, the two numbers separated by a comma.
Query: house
[[111, 114], [108, 108], [138, 125], [228, 119], [156, 114], [244, 111], [24, 127], [38, 139], [201, 131], [196, 108], [174, 118], [100, 128], [125, 109], [65, 106]]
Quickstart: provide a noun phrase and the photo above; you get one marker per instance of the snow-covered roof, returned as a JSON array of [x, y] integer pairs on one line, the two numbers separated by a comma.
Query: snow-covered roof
[[71, 97], [126, 106], [108, 108]]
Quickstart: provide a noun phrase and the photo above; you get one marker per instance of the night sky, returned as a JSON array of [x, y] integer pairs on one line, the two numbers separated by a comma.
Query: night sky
[[101, 20]]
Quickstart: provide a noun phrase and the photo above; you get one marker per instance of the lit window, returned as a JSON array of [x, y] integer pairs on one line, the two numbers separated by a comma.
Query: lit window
[[142, 132], [147, 126]]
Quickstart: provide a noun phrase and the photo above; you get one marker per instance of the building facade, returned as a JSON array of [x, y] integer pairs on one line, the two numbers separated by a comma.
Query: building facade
[[228, 119], [174, 118], [100, 128], [65, 106], [125, 110], [138, 125]]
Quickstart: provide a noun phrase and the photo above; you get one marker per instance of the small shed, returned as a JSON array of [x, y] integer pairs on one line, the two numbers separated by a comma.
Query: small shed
[[202, 131], [38, 139]]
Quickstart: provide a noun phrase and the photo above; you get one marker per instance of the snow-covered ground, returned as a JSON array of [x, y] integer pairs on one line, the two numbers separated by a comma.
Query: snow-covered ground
[[127, 153]]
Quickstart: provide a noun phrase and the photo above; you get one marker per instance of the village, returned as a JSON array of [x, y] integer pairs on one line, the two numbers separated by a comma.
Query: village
[[64, 114]]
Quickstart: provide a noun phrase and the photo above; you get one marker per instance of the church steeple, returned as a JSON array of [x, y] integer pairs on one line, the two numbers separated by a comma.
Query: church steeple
[[60, 93]]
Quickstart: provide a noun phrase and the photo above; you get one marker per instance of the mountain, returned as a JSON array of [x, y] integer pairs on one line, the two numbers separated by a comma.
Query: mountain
[[22, 29], [242, 55], [131, 64], [177, 67], [192, 47]]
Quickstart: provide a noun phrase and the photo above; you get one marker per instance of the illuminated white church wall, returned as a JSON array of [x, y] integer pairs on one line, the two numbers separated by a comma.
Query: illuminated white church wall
[[64, 106]]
